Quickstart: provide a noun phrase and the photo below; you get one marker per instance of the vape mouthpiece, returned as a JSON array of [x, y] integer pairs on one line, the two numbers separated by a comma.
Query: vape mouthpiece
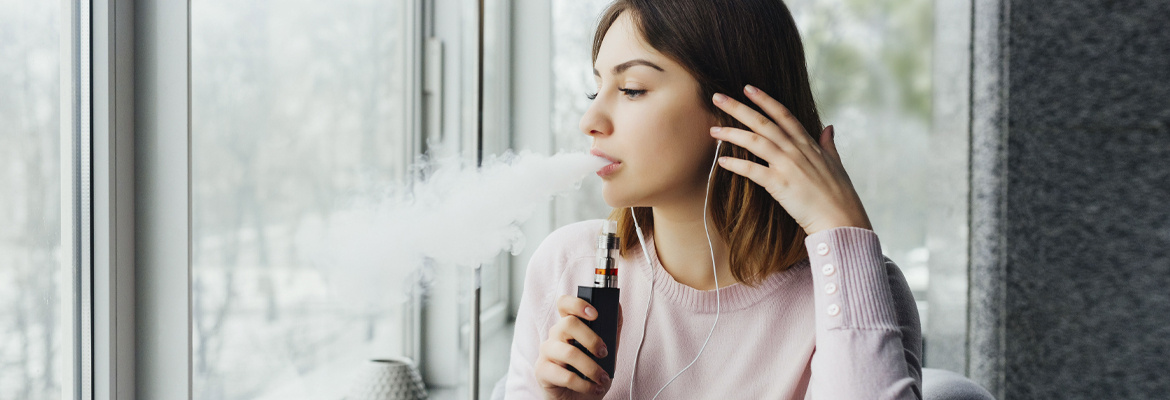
[[605, 274]]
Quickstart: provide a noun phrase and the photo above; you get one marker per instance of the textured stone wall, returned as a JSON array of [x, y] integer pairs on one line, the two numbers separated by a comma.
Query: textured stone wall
[[1070, 252]]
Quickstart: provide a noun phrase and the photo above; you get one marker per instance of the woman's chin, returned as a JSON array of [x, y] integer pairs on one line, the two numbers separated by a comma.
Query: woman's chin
[[615, 203], [614, 197]]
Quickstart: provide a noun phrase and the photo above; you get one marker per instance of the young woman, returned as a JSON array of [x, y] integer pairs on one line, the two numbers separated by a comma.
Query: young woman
[[806, 304]]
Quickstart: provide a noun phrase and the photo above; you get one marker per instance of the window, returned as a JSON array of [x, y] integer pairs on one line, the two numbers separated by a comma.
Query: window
[[43, 198], [870, 65], [294, 105]]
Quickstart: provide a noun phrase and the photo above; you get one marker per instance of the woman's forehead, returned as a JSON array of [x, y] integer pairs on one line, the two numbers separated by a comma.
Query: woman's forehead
[[623, 42]]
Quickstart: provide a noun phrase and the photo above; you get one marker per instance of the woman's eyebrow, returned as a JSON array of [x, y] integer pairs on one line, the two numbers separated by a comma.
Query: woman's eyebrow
[[617, 69]]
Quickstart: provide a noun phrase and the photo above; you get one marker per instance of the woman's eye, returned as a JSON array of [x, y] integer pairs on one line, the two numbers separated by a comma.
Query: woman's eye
[[633, 93]]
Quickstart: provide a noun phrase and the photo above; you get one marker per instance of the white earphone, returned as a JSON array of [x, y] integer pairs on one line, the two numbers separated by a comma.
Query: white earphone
[[646, 254]]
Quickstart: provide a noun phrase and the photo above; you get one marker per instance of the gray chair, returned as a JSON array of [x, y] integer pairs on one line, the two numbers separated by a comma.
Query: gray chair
[[937, 384], [940, 384]]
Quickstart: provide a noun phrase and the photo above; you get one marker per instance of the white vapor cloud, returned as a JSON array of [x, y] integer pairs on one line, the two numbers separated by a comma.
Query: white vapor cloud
[[458, 215]]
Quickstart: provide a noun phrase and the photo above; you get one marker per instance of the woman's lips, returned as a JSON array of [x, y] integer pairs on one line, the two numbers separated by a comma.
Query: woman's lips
[[608, 169]]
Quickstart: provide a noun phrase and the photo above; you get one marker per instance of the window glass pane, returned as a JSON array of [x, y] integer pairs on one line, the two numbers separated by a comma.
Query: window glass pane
[[35, 269], [870, 68], [294, 104]]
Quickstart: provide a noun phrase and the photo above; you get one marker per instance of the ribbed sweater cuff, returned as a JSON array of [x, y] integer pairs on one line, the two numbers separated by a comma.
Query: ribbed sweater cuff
[[850, 279]]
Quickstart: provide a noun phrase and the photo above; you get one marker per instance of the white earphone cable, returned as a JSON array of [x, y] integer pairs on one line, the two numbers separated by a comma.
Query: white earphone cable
[[646, 314], [714, 272]]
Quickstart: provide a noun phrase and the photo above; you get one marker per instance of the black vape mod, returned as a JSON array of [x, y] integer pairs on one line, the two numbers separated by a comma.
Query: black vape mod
[[603, 296]]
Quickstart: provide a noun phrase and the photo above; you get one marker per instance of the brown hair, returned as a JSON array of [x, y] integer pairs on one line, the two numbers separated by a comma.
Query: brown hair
[[726, 44]]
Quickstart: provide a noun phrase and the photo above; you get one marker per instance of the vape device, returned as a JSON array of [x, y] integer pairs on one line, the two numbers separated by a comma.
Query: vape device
[[603, 296]]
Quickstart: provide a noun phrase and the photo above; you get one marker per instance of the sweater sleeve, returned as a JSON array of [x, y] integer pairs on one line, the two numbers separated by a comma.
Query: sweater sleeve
[[868, 338], [537, 303]]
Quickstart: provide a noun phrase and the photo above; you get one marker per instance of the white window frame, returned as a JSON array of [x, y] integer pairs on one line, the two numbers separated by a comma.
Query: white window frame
[[112, 347], [162, 202], [74, 360]]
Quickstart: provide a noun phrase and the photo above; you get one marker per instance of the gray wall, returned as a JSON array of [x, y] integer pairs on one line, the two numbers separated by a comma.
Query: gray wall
[[1070, 203]]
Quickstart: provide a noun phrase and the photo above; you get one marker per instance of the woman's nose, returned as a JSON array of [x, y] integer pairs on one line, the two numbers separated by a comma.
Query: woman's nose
[[596, 121]]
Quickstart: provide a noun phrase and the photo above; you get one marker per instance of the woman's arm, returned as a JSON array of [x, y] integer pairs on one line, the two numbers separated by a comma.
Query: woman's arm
[[869, 342]]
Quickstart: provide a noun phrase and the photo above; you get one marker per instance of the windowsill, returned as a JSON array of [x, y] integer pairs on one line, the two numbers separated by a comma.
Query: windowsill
[[493, 365]]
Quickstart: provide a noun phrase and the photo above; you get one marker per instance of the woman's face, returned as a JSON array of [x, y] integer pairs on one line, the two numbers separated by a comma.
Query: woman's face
[[649, 119]]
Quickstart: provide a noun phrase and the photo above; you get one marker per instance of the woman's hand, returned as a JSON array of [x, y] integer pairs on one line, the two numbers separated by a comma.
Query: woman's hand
[[557, 353], [807, 179]]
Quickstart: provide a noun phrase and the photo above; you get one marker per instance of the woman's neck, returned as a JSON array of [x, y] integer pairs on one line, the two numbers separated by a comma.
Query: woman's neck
[[681, 244]]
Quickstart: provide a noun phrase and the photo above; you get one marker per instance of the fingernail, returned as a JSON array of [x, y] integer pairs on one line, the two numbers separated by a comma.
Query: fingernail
[[750, 89], [722, 160], [715, 129], [604, 352], [604, 381], [590, 312], [719, 98], [599, 390]]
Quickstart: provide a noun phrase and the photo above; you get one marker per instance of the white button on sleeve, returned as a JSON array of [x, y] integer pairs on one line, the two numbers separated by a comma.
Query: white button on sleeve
[[828, 269], [834, 310], [831, 288], [822, 249]]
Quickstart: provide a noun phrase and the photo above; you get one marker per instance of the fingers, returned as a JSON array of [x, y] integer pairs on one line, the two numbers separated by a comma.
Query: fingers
[[571, 328], [552, 369], [571, 305], [551, 373], [566, 354], [829, 142], [755, 172], [558, 353], [782, 129], [759, 123], [779, 113], [758, 145]]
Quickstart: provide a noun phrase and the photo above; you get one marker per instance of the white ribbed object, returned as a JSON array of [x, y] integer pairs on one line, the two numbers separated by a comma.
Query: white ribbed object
[[388, 379]]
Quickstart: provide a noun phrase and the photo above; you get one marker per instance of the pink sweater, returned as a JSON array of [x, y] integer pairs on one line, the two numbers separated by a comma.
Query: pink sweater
[[841, 325]]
